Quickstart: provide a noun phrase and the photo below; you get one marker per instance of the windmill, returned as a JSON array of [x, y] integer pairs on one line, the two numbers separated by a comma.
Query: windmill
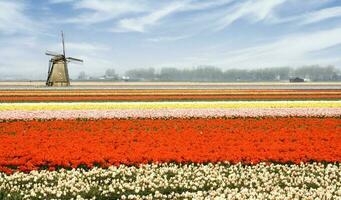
[[58, 74]]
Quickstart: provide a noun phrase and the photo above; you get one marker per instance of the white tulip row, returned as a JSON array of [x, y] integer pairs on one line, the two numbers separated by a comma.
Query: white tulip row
[[178, 181]]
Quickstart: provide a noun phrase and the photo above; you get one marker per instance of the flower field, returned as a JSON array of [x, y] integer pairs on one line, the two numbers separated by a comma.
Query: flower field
[[54, 144], [165, 94], [166, 144]]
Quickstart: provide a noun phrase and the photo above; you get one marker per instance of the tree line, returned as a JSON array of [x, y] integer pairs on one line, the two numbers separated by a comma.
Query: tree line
[[211, 73]]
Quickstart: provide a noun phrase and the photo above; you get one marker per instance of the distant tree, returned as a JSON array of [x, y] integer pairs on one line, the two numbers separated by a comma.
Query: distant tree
[[170, 74], [111, 74], [283, 73], [236, 75], [82, 75], [265, 74], [210, 73], [141, 74], [317, 73]]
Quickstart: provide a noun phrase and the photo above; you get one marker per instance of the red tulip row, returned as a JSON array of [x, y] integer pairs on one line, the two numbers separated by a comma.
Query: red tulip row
[[31, 145]]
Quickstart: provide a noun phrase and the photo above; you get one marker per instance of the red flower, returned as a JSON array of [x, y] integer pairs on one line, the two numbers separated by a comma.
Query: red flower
[[73, 143]]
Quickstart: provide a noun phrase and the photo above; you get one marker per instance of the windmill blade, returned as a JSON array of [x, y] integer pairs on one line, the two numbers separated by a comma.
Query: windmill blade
[[74, 59], [63, 44], [51, 53]]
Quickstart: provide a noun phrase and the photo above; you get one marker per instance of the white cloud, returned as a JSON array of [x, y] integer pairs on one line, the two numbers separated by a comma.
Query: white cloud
[[21, 56], [254, 11], [86, 47], [97, 11], [139, 24], [201, 5], [13, 18], [298, 49], [310, 17], [168, 38], [60, 1], [322, 15]]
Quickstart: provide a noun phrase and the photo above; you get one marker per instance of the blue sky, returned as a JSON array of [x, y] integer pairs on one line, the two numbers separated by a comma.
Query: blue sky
[[128, 34]]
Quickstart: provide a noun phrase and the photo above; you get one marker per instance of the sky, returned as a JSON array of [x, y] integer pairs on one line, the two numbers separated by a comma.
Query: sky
[[128, 34]]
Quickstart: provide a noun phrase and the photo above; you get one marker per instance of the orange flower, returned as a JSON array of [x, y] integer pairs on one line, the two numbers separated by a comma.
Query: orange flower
[[73, 143]]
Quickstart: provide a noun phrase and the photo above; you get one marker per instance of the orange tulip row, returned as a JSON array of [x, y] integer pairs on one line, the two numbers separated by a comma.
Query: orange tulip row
[[32, 145], [166, 94]]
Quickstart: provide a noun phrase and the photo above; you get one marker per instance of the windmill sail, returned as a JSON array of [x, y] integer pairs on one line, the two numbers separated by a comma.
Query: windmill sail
[[63, 44], [74, 59]]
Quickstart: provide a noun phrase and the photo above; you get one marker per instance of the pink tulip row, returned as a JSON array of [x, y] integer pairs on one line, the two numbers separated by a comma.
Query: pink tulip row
[[177, 113]]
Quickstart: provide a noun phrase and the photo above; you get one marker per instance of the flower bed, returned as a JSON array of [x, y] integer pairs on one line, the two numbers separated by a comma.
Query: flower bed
[[168, 105], [171, 149], [163, 94], [176, 181], [164, 113], [165, 98], [32, 145]]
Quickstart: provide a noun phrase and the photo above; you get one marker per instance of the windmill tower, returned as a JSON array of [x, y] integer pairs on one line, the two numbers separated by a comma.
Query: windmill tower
[[58, 74]]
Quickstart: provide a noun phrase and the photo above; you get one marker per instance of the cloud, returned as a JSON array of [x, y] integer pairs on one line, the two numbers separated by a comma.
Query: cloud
[[168, 38], [13, 18], [97, 11], [139, 24], [297, 49], [252, 10], [201, 5], [321, 15], [21, 56], [87, 47], [60, 1], [310, 17]]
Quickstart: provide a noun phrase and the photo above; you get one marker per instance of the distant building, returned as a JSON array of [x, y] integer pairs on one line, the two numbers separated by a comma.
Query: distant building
[[125, 78], [296, 80]]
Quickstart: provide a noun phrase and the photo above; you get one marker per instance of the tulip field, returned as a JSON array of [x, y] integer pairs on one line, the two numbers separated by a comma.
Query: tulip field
[[170, 143]]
